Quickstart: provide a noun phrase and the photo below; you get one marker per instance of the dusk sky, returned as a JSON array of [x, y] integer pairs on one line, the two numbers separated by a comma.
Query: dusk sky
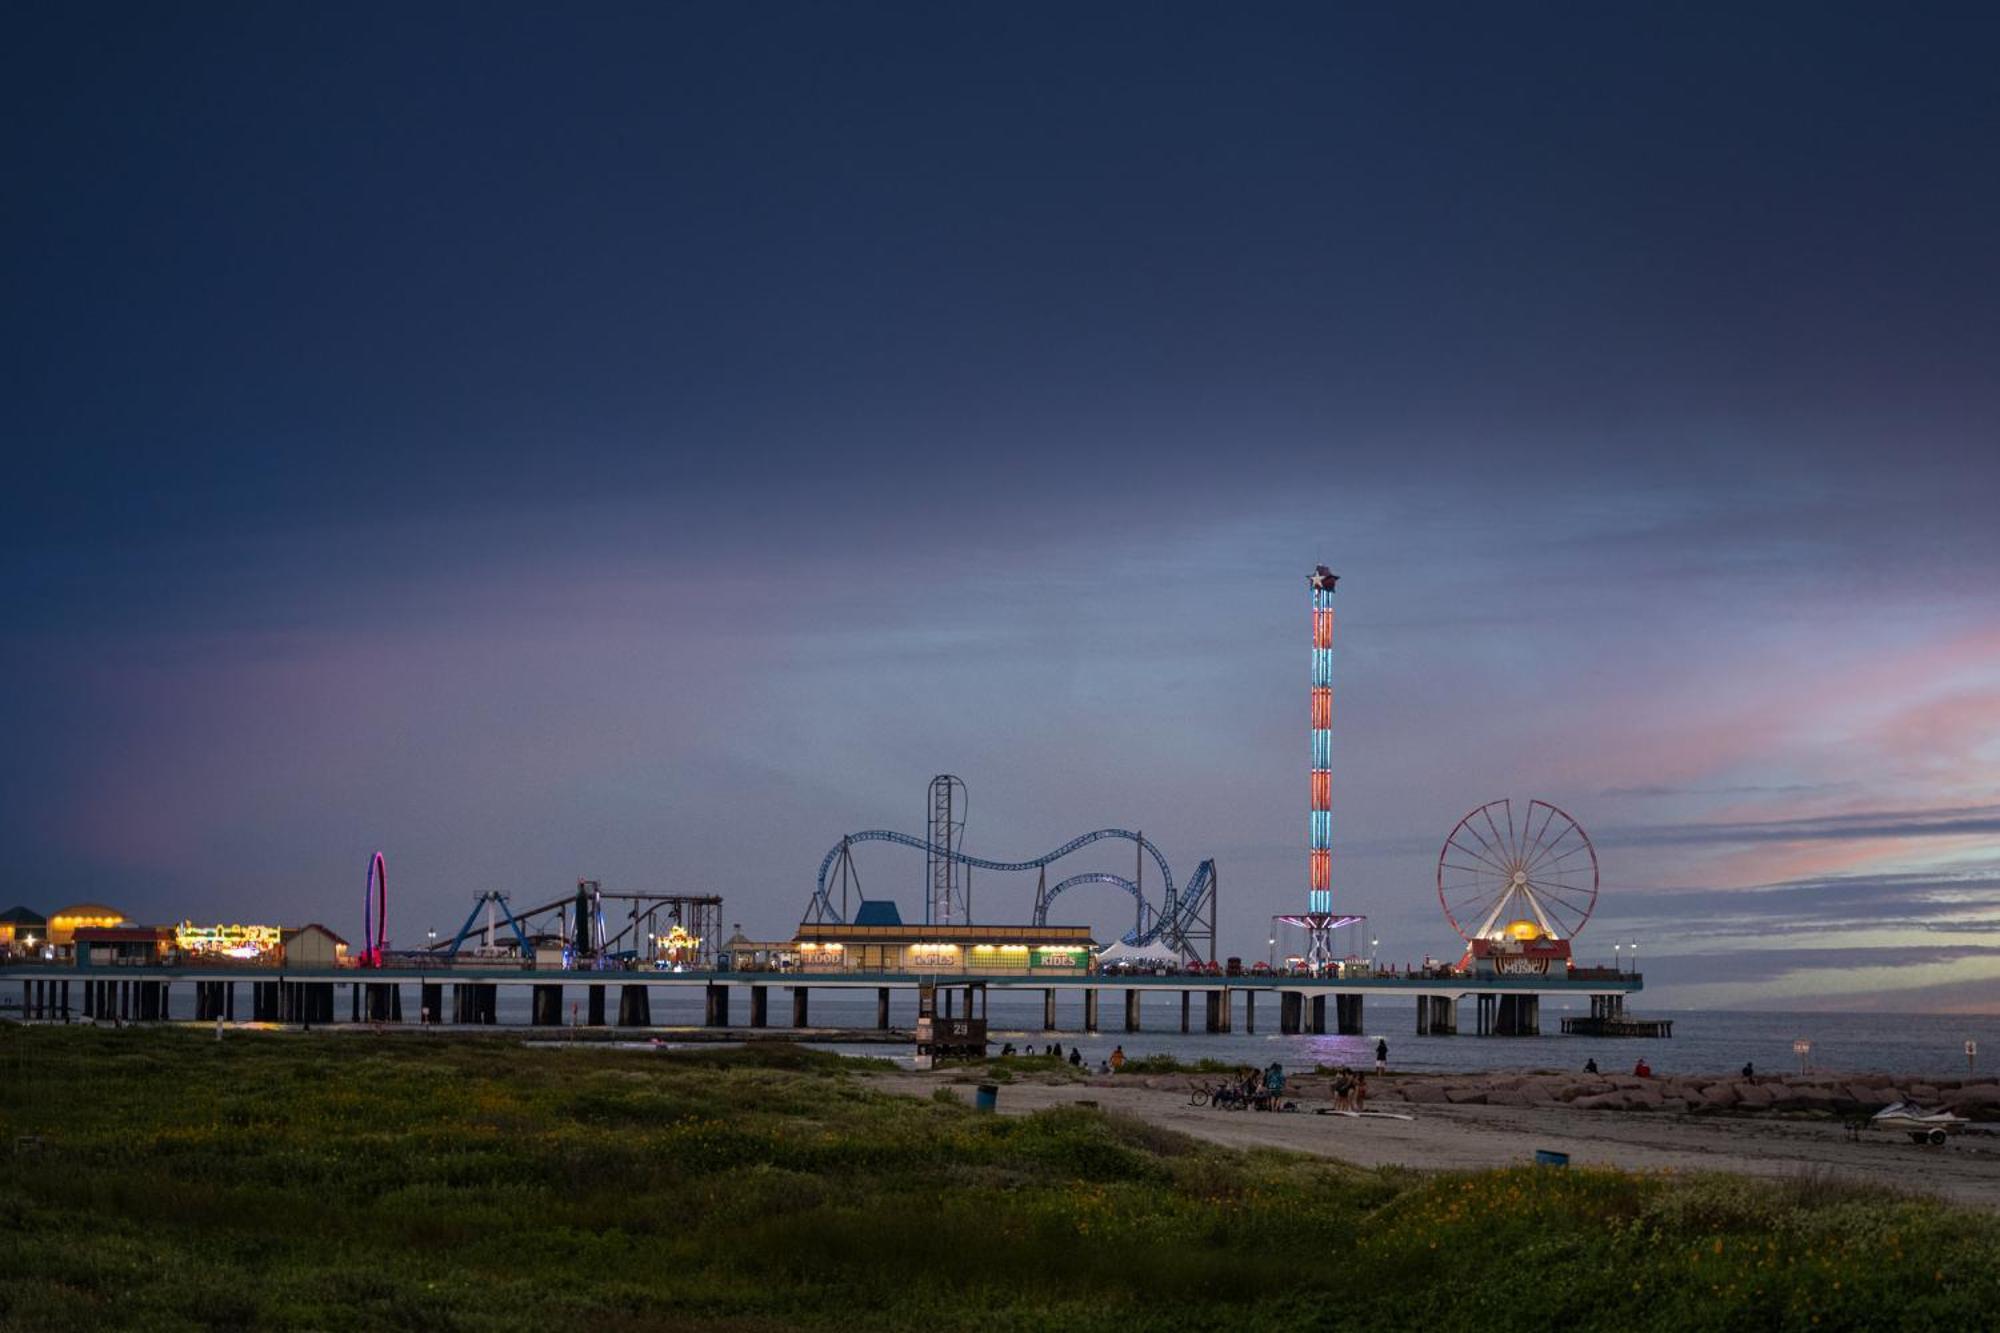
[[647, 442]]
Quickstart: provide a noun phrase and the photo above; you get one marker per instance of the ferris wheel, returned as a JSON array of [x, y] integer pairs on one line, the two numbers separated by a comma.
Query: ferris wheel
[[1494, 873]]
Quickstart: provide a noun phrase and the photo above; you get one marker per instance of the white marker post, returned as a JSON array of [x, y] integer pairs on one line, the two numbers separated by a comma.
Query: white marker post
[[1971, 1055], [1803, 1049]]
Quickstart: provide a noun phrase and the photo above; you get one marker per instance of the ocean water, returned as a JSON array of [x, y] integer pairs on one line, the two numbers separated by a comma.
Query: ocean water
[[1704, 1041]]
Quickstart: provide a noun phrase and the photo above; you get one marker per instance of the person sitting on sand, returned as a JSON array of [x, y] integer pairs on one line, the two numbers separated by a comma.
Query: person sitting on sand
[[1117, 1058], [1750, 1071], [1642, 1069], [1008, 1049], [1590, 1065]]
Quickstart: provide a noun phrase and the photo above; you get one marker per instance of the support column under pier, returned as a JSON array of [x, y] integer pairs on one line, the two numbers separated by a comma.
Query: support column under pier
[[760, 1006], [1131, 1010], [475, 1001], [594, 1007], [1049, 1010], [1348, 1014], [1218, 1010], [264, 1002], [1518, 1016], [715, 1006], [385, 1002], [635, 1008], [1317, 1026], [1090, 1009], [1250, 1012], [801, 1010], [1437, 1016], [1291, 1012], [882, 1008], [430, 1002], [1185, 1000], [547, 1011]]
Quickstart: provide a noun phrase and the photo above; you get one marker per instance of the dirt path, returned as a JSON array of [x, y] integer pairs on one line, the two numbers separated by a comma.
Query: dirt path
[[1966, 1170]]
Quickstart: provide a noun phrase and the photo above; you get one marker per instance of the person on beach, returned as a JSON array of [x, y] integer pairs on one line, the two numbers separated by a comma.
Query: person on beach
[[1076, 1056], [1750, 1071], [1117, 1058], [1361, 1092], [1381, 1055], [1590, 1065], [1343, 1088], [1008, 1049], [1642, 1069], [1055, 1049]]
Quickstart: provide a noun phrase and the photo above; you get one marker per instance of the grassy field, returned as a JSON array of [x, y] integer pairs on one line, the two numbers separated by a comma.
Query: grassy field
[[349, 1181]]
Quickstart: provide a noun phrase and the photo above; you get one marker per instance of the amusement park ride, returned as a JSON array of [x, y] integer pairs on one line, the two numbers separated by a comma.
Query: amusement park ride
[[1516, 890], [1183, 921], [1517, 895], [660, 930]]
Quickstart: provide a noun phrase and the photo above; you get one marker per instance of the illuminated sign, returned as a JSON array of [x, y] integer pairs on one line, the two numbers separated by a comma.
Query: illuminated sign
[[677, 945], [226, 941]]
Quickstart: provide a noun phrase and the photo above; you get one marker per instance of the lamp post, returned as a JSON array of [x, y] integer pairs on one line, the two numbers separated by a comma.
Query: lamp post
[[1272, 958], [1374, 949], [1635, 958], [1617, 957]]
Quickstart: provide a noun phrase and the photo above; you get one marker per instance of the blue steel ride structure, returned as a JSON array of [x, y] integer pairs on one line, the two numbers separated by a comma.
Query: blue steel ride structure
[[1184, 919]]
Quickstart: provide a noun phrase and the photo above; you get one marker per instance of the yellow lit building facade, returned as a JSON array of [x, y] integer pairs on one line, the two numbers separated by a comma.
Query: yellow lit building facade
[[953, 950]]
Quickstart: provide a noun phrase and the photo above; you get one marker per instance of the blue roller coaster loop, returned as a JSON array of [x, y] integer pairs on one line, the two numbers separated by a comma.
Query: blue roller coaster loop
[[1171, 921], [1140, 932]]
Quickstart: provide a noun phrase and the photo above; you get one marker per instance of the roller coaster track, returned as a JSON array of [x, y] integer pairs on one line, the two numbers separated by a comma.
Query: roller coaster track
[[1169, 923]]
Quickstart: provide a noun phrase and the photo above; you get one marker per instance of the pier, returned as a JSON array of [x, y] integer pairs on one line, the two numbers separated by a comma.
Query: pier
[[469, 996]]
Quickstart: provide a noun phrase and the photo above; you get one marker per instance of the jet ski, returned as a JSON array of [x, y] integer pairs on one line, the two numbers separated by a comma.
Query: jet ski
[[1923, 1126]]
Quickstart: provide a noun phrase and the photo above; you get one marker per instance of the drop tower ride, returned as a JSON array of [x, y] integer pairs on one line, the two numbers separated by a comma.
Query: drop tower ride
[[1318, 920]]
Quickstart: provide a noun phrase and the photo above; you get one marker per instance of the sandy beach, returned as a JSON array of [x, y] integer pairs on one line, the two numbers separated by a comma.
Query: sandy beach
[[1445, 1135]]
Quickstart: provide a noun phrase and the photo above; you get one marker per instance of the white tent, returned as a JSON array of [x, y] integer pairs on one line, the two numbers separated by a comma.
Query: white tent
[[1154, 953]]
